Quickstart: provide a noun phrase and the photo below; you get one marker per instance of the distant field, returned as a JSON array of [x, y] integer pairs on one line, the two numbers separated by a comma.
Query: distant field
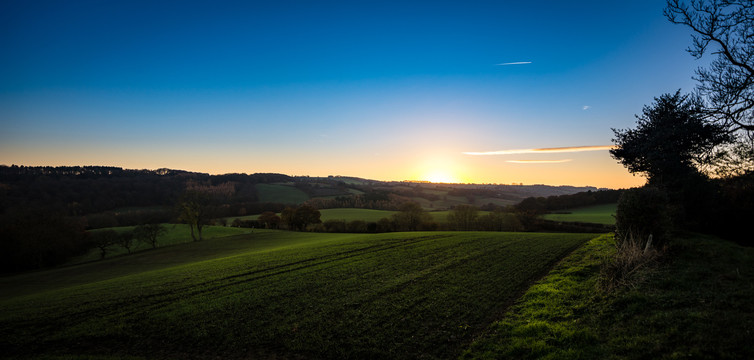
[[367, 215], [598, 214], [274, 294], [279, 193]]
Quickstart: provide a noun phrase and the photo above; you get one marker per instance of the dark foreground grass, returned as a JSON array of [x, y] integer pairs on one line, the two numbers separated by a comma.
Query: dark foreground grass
[[698, 305], [399, 295]]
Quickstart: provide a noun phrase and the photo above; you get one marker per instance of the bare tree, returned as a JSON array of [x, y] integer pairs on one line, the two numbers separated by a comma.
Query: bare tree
[[725, 29], [148, 233], [194, 211], [195, 206]]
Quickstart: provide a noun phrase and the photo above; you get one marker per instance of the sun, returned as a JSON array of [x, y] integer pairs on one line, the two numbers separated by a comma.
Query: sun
[[440, 168], [440, 176]]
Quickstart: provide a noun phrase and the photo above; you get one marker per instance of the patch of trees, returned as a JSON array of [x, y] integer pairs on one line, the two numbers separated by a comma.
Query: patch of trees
[[91, 189], [322, 188], [34, 237], [697, 151], [105, 239], [300, 218], [670, 146], [376, 200]]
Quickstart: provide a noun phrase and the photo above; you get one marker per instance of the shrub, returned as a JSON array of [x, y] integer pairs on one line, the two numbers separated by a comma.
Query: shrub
[[357, 226], [642, 212], [335, 226]]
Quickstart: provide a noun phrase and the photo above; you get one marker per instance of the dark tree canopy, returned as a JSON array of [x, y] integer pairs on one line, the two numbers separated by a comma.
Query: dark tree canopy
[[269, 219], [299, 218], [671, 138], [463, 217], [410, 216]]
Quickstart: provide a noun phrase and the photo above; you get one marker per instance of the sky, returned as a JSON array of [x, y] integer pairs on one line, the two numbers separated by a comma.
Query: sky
[[446, 91]]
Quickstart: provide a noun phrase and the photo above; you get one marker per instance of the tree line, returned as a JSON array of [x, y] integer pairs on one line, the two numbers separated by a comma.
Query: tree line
[[412, 217]]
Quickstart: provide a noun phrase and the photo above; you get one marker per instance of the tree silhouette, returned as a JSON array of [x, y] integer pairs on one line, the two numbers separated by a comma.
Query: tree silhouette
[[149, 233], [724, 28], [463, 217], [670, 140], [411, 215], [299, 218], [193, 211]]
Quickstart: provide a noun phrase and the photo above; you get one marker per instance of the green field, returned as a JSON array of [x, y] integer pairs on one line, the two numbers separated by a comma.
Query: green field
[[696, 305], [274, 294], [280, 193], [598, 214], [367, 215]]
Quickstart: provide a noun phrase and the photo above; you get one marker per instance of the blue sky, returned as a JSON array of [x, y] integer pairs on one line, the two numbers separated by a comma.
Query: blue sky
[[383, 90]]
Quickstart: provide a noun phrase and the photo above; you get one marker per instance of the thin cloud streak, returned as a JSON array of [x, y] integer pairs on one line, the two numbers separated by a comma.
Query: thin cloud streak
[[567, 149], [515, 63], [538, 161]]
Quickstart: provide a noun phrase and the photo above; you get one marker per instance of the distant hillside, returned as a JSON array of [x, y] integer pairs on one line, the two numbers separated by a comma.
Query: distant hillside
[[112, 196]]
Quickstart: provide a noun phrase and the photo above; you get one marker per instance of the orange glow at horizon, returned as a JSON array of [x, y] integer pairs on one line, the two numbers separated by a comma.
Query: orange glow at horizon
[[440, 176]]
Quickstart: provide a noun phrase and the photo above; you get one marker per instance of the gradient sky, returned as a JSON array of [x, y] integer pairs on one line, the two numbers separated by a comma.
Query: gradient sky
[[375, 89]]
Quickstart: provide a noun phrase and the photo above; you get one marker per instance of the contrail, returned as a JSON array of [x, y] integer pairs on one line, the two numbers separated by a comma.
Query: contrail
[[515, 63], [539, 161], [567, 149]]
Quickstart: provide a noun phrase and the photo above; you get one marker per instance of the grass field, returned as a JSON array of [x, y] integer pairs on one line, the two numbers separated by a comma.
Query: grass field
[[273, 294], [280, 193], [367, 215], [697, 305], [598, 214]]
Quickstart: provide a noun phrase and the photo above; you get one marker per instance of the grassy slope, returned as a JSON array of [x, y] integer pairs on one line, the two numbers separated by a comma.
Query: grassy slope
[[174, 234], [279, 193], [160, 258], [696, 305], [598, 214], [399, 295]]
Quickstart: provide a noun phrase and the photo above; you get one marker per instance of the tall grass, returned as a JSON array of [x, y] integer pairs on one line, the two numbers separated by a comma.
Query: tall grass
[[624, 267]]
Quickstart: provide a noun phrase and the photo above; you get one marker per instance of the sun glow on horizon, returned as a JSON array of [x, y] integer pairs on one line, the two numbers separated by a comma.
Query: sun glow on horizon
[[440, 176], [442, 170]]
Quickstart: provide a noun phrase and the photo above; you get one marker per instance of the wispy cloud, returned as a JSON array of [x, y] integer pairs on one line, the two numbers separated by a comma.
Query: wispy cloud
[[539, 161], [567, 149], [515, 63], [586, 107]]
